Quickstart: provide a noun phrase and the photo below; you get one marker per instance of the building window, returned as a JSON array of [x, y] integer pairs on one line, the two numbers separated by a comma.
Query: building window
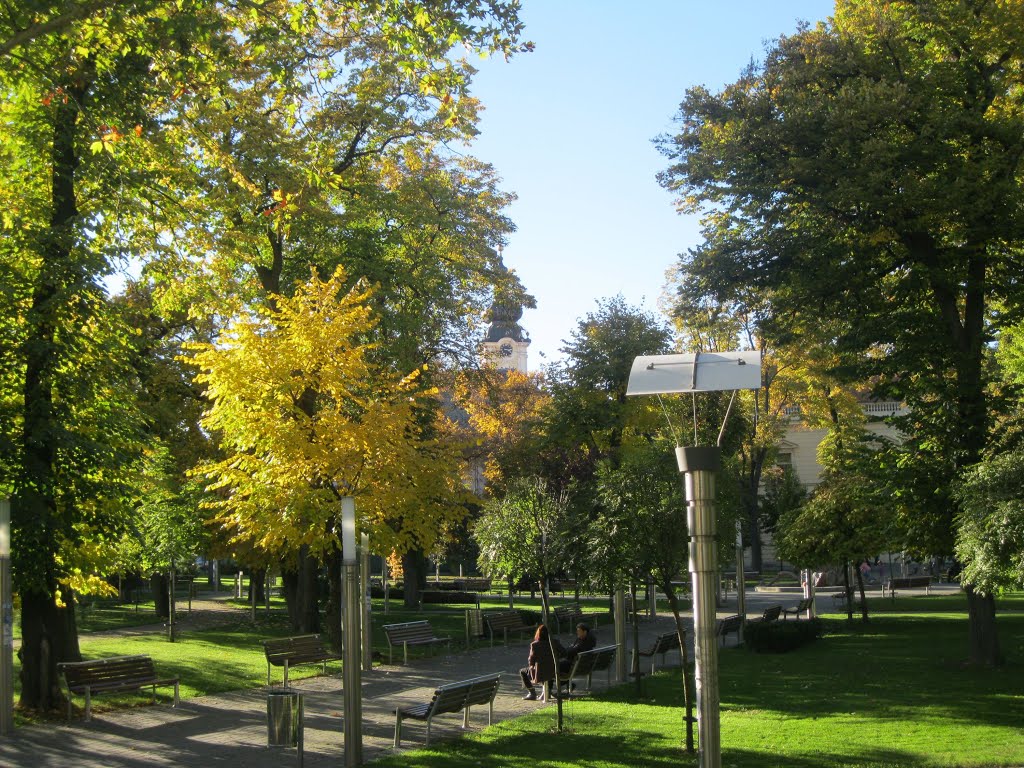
[[784, 459]]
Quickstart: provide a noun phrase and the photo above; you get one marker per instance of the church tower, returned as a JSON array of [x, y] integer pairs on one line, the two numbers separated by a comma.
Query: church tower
[[504, 346]]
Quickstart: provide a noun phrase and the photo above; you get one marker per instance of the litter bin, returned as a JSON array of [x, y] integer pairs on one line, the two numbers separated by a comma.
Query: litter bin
[[284, 718]]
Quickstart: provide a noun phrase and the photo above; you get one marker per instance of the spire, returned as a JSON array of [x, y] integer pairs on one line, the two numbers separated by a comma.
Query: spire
[[505, 342]]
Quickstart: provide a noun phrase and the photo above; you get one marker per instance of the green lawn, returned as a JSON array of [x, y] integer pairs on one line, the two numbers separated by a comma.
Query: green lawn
[[892, 693]]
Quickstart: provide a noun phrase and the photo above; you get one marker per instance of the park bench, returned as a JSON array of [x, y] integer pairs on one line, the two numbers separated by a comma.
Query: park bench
[[411, 633], [669, 641], [641, 610], [449, 699], [839, 599], [507, 622], [292, 651], [571, 614], [729, 624], [771, 613], [117, 673], [907, 582], [586, 664], [452, 596], [449, 596], [802, 607], [473, 584]]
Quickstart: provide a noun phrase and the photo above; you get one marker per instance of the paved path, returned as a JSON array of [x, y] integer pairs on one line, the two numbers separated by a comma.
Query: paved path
[[231, 729]]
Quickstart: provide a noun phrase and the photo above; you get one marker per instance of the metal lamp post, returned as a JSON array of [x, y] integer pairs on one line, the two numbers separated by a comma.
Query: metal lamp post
[[350, 650], [709, 372], [6, 624], [364, 577]]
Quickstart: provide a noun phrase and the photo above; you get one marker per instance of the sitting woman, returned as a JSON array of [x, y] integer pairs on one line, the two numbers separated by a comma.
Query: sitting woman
[[540, 667]]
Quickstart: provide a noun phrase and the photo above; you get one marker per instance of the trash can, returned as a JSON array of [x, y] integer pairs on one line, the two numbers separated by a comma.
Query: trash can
[[284, 718]]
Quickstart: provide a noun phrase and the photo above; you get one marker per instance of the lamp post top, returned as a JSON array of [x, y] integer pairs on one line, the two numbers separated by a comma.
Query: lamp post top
[[696, 372]]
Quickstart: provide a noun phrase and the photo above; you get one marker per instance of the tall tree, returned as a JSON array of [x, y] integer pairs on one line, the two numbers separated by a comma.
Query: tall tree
[[870, 169], [643, 531], [521, 534], [103, 129], [305, 417]]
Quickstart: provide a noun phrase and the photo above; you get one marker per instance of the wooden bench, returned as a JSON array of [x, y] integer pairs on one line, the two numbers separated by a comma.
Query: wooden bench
[[473, 584], [587, 663], [771, 613], [451, 698], [117, 673], [839, 599], [907, 582], [411, 633], [453, 596], [669, 641], [507, 622], [805, 604], [729, 624], [571, 614], [291, 651]]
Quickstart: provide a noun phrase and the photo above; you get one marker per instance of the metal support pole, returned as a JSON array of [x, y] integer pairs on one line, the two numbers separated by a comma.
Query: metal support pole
[[741, 582], [350, 649], [699, 466], [170, 604], [364, 580], [620, 634], [6, 624]]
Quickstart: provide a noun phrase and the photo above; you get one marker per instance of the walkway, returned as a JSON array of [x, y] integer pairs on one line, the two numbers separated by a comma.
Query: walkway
[[230, 729]]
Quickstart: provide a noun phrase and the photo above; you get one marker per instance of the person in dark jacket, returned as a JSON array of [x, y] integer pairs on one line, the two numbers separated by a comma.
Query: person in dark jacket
[[540, 667], [586, 640]]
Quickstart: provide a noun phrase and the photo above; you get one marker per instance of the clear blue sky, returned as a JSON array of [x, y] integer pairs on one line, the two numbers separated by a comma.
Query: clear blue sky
[[570, 127]]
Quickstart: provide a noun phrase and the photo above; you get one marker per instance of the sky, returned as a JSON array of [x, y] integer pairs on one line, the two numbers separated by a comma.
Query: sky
[[570, 130]]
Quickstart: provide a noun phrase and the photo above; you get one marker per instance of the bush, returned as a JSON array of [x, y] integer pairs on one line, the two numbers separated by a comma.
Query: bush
[[780, 636]]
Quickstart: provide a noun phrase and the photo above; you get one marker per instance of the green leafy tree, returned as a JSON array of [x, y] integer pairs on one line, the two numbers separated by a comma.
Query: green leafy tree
[[990, 535], [105, 119], [520, 535], [305, 417], [642, 531], [869, 169]]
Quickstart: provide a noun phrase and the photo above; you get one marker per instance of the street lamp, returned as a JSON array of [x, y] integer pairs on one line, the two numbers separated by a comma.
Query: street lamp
[[350, 649], [693, 373]]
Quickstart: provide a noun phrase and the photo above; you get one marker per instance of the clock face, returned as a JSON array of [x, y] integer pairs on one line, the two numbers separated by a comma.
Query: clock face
[[505, 350]]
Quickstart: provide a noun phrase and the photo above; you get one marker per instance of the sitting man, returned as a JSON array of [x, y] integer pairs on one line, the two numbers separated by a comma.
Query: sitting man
[[586, 640]]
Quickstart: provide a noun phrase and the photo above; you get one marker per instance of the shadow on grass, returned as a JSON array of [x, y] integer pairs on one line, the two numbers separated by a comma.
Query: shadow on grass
[[908, 668], [578, 748]]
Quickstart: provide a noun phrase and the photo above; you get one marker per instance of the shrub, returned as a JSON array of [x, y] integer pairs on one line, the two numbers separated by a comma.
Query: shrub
[[780, 636]]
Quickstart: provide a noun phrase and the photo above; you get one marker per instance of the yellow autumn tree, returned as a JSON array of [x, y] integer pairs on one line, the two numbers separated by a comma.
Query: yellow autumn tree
[[304, 417], [505, 409]]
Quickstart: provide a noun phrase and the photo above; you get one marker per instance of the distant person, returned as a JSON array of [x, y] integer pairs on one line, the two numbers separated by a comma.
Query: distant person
[[540, 665], [586, 640]]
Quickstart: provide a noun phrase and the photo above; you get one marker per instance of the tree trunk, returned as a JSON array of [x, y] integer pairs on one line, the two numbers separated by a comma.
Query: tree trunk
[[545, 612], [636, 639], [848, 588], [302, 594], [49, 636], [684, 660], [257, 582], [158, 584], [863, 597], [756, 553], [414, 577], [335, 600], [983, 640]]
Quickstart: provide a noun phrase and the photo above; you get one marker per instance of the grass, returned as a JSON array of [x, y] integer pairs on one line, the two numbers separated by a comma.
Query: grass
[[893, 692]]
